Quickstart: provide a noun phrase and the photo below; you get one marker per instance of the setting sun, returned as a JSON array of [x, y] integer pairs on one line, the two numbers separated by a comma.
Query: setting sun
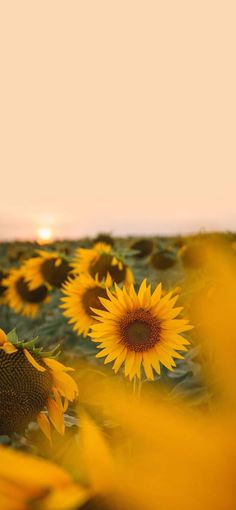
[[44, 235]]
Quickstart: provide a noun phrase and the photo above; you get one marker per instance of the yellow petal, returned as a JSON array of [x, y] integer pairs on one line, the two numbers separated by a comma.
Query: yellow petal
[[147, 367], [33, 361], [142, 291], [3, 337], [56, 416], [8, 348], [129, 362], [119, 360], [66, 386], [56, 365], [44, 425]]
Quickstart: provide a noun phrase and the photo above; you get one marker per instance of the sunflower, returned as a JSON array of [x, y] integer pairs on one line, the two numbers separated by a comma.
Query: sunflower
[[82, 293], [140, 329], [104, 238], [48, 268], [101, 261], [3, 288], [18, 295], [163, 259], [28, 482], [143, 247], [31, 381], [194, 255]]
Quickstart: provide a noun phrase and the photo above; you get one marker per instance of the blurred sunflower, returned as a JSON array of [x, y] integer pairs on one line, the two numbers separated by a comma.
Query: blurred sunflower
[[31, 381], [19, 296], [49, 268], [194, 255], [3, 288], [28, 482], [163, 259], [82, 293], [101, 261], [104, 238], [140, 329], [143, 247]]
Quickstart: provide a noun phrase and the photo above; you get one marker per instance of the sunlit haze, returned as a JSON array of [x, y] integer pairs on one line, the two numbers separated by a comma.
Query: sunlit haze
[[118, 118]]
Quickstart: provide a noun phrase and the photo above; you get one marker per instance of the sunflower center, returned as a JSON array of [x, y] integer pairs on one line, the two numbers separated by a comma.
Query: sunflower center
[[31, 296], [143, 246], [91, 299], [139, 330], [53, 274], [23, 391], [103, 265]]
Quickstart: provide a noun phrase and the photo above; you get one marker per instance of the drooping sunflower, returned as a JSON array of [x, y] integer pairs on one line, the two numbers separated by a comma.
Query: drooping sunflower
[[48, 268], [81, 294], [18, 295], [30, 382], [101, 261], [140, 329]]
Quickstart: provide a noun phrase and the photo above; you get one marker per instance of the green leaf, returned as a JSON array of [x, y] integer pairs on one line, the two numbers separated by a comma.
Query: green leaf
[[12, 336]]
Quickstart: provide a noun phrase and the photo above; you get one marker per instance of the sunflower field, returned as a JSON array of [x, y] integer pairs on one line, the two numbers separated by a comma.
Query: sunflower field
[[117, 374]]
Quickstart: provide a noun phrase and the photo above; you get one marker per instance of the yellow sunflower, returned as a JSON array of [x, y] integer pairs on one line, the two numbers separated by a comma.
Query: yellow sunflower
[[101, 261], [31, 381], [140, 329], [48, 268], [18, 295], [28, 482], [81, 294]]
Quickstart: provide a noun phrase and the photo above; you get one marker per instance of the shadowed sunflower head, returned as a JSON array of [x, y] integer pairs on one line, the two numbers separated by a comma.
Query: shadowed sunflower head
[[20, 297], [48, 268], [143, 247], [80, 296], [30, 382], [140, 329], [104, 238], [101, 261], [163, 259], [3, 288]]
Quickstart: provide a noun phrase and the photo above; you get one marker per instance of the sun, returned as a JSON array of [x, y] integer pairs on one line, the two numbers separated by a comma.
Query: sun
[[44, 235]]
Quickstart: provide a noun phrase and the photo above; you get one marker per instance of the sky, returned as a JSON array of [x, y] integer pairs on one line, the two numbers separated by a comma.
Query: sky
[[117, 117]]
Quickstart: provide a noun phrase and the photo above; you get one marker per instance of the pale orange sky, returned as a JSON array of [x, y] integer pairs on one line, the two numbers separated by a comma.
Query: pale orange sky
[[117, 116]]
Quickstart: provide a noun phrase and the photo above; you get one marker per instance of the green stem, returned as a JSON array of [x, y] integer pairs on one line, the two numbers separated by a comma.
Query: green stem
[[137, 386]]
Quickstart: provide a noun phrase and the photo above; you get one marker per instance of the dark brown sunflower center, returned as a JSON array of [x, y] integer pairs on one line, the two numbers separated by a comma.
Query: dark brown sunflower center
[[31, 296], [23, 391], [143, 246], [103, 265], [163, 259], [2, 287], [139, 330], [91, 299], [55, 275]]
